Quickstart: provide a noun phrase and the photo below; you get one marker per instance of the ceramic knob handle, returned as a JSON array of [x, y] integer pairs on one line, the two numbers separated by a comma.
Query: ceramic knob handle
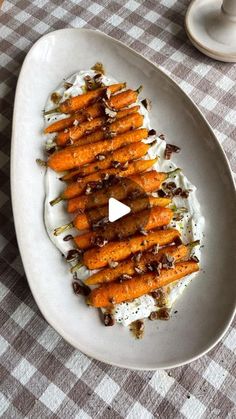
[[229, 7]]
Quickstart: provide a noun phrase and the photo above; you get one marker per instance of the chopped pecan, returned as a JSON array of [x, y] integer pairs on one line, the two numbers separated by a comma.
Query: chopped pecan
[[115, 164], [110, 113], [68, 238], [138, 270], [195, 258], [167, 261], [112, 264], [137, 256], [170, 148], [147, 104], [155, 249], [143, 231], [99, 68], [124, 166], [154, 266], [99, 241], [67, 85], [161, 193], [72, 255], [152, 132], [110, 134], [100, 223], [80, 288], [100, 157], [123, 277], [108, 319], [55, 97]]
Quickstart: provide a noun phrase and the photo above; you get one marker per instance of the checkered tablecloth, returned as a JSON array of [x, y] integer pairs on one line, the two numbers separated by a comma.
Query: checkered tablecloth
[[41, 375]]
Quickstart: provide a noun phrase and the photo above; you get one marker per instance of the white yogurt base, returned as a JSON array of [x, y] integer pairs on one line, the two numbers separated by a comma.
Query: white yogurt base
[[191, 226]]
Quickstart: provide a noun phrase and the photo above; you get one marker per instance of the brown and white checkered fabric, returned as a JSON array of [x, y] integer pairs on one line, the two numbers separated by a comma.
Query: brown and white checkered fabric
[[41, 375]]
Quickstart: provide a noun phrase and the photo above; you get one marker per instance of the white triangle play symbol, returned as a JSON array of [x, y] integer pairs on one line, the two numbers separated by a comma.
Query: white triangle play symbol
[[116, 209]]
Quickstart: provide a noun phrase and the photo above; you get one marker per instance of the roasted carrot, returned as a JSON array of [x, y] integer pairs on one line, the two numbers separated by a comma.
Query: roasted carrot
[[97, 258], [77, 188], [131, 266], [126, 226], [99, 134], [84, 221], [97, 109], [115, 292], [64, 123], [120, 100], [121, 155], [149, 182], [82, 101], [126, 123], [72, 157], [120, 125]]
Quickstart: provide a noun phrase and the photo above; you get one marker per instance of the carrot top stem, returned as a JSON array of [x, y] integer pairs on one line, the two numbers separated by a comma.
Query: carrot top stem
[[56, 201], [193, 244], [56, 110], [173, 172], [75, 267], [63, 228], [180, 210], [41, 162]]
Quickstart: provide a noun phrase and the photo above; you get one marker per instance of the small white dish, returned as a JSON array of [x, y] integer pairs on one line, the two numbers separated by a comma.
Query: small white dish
[[211, 27], [207, 306]]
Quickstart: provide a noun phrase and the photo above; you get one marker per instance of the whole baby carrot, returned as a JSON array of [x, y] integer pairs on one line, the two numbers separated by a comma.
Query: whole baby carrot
[[127, 226], [121, 124], [117, 292], [97, 258], [148, 182], [132, 266], [85, 221], [97, 109], [77, 188], [121, 155], [72, 157], [76, 103]]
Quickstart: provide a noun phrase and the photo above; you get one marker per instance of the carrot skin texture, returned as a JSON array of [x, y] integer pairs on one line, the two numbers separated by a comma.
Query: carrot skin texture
[[122, 155], [149, 181], [82, 101], [77, 188], [97, 258], [139, 285], [72, 157], [156, 217], [84, 221], [122, 99], [97, 109], [98, 135], [128, 266], [120, 125]]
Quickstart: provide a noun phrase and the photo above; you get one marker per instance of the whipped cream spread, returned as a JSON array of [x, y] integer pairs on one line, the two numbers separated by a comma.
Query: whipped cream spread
[[191, 225]]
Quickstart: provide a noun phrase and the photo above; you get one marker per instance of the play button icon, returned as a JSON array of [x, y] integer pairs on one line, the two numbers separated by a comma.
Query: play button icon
[[116, 209]]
